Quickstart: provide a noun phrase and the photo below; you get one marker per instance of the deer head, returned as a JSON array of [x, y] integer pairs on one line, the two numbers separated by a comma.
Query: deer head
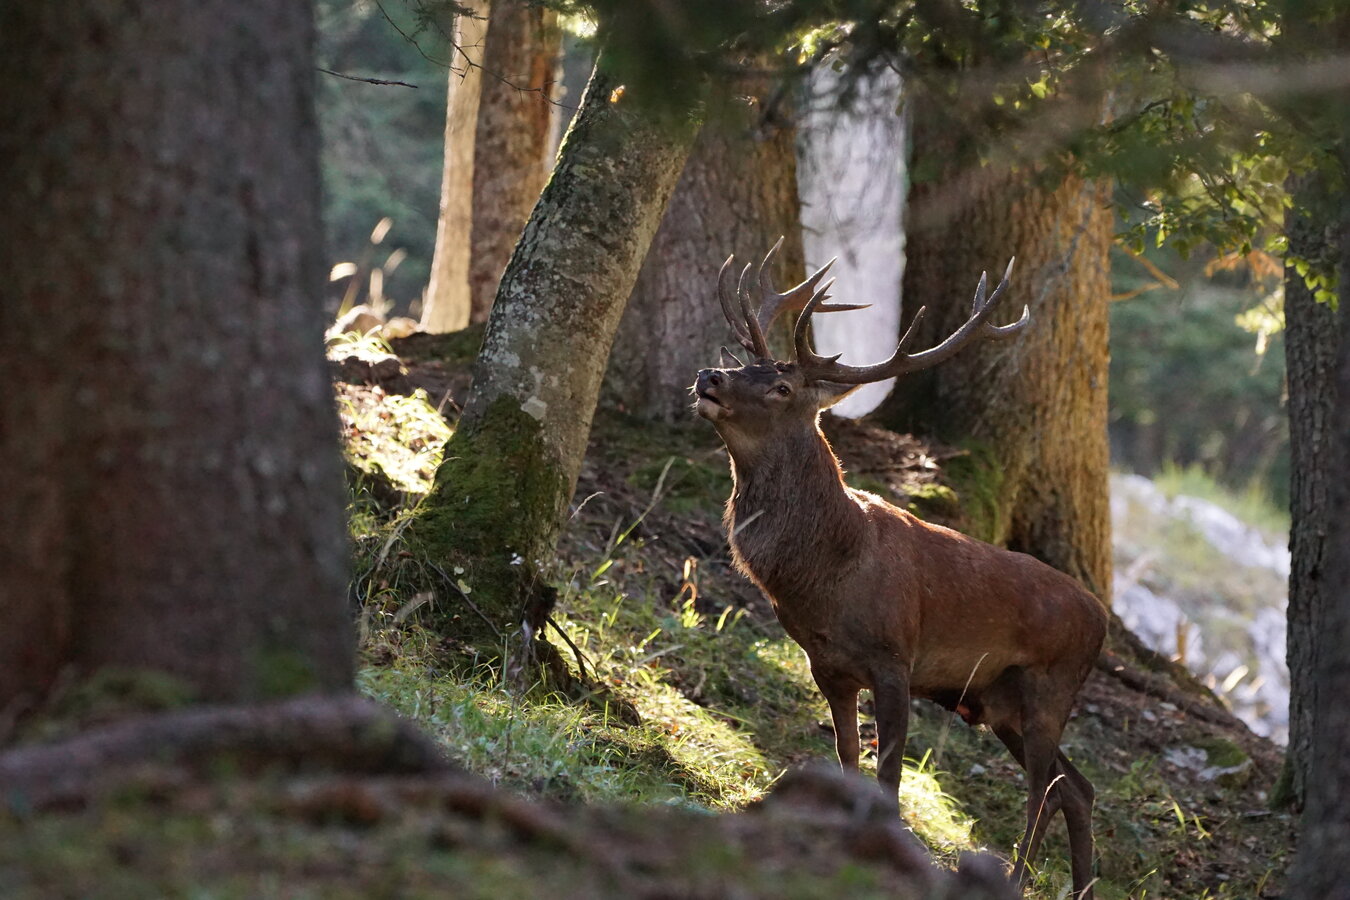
[[749, 403]]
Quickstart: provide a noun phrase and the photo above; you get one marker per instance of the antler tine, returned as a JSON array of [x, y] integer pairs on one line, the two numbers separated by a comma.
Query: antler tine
[[773, 304], [801, 333], [902, 362], [758, 345], [728, 301], [999, 332]]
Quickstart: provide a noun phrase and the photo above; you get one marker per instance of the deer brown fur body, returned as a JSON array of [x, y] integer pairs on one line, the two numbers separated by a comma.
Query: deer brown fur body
[[881, 600]]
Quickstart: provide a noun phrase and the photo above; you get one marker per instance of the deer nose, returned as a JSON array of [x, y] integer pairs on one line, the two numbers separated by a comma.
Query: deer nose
[[714, 378], [707, 378]]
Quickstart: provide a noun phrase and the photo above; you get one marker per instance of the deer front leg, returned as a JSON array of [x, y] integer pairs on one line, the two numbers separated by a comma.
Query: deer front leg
[[891, 697], [843, 700]]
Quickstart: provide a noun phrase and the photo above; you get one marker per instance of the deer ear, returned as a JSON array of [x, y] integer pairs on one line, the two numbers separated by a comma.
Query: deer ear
[[831, 392]]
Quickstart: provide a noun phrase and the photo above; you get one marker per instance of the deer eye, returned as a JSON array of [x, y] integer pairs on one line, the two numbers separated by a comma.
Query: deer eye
[[783, 390]]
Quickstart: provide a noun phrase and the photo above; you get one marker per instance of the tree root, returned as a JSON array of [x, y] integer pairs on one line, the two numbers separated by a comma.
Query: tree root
[[342, 732]]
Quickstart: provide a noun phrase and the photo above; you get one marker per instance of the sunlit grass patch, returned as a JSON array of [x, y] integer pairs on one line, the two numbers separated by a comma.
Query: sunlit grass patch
[[399, 437], [933, 814]]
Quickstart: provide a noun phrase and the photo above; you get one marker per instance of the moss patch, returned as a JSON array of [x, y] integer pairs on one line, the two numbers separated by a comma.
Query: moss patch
[[494, 512], [977, 479]]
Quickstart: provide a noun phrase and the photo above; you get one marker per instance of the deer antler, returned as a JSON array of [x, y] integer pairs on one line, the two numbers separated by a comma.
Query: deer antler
[[750, 319], [903, 362]]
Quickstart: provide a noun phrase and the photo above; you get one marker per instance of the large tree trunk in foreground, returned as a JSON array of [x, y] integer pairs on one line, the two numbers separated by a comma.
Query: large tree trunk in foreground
[[512, 465], [1311, 341], [496, 143], [175, 504], [1031, 410], [1319, 869], [737, 194]]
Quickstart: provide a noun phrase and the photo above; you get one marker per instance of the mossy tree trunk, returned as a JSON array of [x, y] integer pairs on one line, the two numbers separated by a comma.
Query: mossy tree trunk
[[1311, 344], [175, 500], [496, 142], [1032, 410], [737, 194], [512, 466]]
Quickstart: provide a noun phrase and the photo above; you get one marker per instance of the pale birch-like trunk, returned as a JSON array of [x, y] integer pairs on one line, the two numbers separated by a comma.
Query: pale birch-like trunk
[[448, 300], [511, 142]]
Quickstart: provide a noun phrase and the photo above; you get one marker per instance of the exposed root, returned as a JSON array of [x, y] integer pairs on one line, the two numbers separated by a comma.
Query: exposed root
[[320, 732]]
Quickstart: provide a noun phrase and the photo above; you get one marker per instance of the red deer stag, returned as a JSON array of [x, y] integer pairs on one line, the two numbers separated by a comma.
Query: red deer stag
[[880, 599]]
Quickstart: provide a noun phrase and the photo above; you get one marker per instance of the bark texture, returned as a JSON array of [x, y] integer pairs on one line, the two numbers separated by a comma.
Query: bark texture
[[1311, 344], [447, 304], [496, 154], [1032, 410], [1319, 869], [737, 194], [512, 465], [166, 408], [511, 143]]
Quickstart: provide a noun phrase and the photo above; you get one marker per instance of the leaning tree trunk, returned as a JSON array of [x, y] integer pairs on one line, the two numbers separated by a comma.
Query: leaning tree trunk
[[512, 465], [175, 499], [1031, 411], [737, 194], [496, 145], [1311, 344]]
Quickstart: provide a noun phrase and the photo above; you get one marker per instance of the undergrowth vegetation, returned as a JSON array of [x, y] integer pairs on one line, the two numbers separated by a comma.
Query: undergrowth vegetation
[[649, 612]]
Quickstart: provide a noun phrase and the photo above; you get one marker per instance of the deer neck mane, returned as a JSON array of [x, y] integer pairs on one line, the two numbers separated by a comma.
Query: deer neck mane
[[790, 511]]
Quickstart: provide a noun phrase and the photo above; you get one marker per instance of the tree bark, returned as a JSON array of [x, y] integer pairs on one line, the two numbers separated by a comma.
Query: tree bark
[[177, 499], [512, 465], [737, 194], [1311, 346], [1318, 869], [496, 154], [511, 143], [448, 302], [1031, 410]]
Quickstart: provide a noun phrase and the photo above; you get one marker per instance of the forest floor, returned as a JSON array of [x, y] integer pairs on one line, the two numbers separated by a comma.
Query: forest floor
[[589, 804]]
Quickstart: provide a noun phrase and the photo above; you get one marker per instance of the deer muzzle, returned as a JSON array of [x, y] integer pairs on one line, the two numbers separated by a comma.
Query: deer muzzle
[[706, 388]]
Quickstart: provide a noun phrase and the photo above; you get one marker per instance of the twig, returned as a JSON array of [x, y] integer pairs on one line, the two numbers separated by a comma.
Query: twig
[[366, 80], [581, 665]]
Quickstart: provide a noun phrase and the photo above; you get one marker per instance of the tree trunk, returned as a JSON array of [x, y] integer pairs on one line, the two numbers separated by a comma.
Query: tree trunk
[[511, 145], [175, 504], [512, 465], [496, 147], [448, 300], [1311, 345], [1319, 869], [1032, 410], [737, 194]]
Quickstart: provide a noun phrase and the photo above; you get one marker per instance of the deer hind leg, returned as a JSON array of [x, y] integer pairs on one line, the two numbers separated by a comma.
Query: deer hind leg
[[1050, 786], [1078, 796], [1071, 793]]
